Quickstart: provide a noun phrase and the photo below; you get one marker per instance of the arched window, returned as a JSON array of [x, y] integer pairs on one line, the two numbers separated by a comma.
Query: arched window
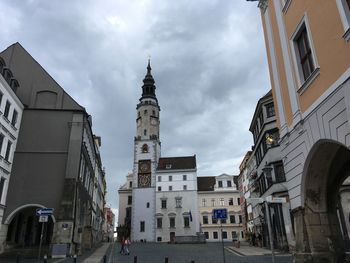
[[145, 148]]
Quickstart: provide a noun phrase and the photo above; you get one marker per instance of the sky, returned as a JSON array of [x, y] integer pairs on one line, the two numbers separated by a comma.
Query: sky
[[208, 60]]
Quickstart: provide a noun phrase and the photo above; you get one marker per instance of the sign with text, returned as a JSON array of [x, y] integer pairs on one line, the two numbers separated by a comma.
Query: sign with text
[[43, 219], [220, 213], [44, 211]]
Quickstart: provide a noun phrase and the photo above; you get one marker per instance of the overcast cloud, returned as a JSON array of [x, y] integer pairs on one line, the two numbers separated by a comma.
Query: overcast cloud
[[208, 60]]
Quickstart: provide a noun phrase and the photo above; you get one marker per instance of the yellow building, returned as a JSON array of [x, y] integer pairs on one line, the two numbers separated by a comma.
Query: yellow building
[[308, 49]]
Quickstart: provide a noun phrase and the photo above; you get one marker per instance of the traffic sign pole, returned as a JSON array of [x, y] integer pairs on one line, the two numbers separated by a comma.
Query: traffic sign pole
[[41, 239], [222, 242]]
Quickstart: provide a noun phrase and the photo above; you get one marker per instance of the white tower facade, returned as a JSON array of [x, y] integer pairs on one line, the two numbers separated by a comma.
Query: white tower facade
[[146, 156]]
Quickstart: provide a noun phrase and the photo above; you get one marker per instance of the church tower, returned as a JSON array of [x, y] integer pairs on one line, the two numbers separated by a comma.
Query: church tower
[[146, 156]]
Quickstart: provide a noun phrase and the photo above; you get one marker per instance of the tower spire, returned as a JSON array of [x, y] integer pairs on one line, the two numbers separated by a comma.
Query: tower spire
[[148, 88]]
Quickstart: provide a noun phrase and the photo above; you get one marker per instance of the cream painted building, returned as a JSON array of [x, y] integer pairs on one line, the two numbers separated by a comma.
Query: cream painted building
[[220, 192], [308, 52], [125, 203]]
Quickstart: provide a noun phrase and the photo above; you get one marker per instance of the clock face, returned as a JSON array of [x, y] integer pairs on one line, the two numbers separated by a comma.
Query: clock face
[[144, 167], [144, 180], [153, 121]]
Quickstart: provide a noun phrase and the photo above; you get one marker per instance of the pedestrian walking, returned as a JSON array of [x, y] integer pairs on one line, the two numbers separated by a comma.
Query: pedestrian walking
[[122, 244], [126, 246]]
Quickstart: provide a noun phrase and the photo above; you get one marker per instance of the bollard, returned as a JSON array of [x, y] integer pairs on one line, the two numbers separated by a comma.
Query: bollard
[[75, 259], [135, 259], [166, 260], [45, 258], [105, 259]]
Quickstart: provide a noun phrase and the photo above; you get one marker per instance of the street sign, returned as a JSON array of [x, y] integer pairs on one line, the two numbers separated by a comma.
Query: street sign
[[220, 213], [278, 200], [255, 200], [43, 219], [44, 211]]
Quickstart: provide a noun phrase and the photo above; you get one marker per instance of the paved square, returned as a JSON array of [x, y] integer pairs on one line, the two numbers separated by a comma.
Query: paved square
[[200, 253]]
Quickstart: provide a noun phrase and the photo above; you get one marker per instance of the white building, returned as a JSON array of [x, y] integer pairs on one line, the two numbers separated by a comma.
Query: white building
[[176, 200], [10, 119], [125, 203], [220, 192]]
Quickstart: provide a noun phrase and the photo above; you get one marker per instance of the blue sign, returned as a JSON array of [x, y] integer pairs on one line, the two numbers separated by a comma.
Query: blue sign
[[220, 213], [44, 211]]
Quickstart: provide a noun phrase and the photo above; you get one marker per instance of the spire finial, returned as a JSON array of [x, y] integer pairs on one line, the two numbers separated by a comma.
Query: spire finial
[[149, 65]]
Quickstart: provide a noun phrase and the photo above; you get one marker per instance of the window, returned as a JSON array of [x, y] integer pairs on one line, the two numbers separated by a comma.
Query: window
[[130, 184], [153, 112], [212, 202], [270, 110], [8, 149], [142, 226], [2, 183], [159, 222], [344, 11], [159, 239], [7, 109], [222, 201], [240, 219], [145, 112], [229, 183], [185, 187], [223, 221], [145, 148], [204, 202], [206, 235], [129, 199], [230, 201], [224, 235], [159, 178], [170, 178], [186, 221], [172, 222], [147, 204], [184, 177], [144, 132], [214, 220], [170, 187], [163, 203], [159, 188], [242, 234], [1, 141], [305, 54], [178, 202], [232, 219], [205, 220], [234, 235], [215, 235], [279, 172], [238, 201], [220, 184]]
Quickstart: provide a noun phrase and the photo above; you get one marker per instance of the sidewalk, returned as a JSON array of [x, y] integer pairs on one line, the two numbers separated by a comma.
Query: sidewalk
[[98, 255], [247, 250]]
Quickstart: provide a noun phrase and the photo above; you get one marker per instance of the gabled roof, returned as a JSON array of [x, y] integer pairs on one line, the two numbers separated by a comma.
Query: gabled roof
[[35, 83], [206, 183], [177, 163]]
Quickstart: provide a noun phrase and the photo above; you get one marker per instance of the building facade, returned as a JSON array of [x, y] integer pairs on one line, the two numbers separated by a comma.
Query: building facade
[[270, 180], [54, 163], [176, 200], [125, 206], [11, 110], [308, 50], [220, 192]]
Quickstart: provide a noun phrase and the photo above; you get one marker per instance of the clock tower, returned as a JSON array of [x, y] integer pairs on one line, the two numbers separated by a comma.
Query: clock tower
[[146, 156]]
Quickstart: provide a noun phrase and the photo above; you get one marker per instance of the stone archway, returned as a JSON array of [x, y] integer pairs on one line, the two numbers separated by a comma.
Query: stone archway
[[22, 229], [318, 231]]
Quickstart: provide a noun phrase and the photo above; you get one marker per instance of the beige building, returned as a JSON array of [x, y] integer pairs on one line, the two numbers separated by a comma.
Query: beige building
[[125, 203], [308, 52], [220, 192]]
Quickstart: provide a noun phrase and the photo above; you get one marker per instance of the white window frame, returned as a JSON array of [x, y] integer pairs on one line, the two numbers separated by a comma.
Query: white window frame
[[344, 12], [303, 84]]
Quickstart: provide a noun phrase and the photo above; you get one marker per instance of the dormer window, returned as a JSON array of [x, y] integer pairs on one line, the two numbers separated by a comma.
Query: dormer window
[[168, 166]]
